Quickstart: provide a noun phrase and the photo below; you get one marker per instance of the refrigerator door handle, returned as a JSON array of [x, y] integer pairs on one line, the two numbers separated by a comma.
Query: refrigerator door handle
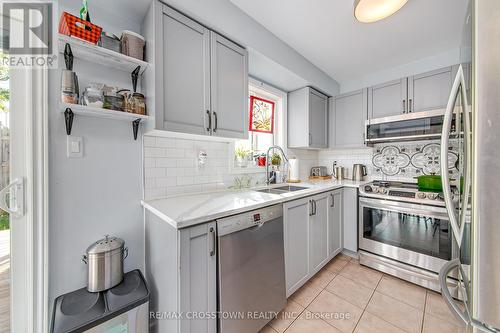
[[462, 315], [445, 142]]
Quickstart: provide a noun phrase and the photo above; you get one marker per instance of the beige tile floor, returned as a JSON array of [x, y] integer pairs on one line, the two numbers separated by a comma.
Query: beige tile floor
[[346, 297]]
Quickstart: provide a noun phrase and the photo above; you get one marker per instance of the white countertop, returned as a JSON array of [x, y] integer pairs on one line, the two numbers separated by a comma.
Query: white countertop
[[187, 210]]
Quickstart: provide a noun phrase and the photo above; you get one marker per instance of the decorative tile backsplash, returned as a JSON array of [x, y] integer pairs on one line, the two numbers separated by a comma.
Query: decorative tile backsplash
[[411, 159]]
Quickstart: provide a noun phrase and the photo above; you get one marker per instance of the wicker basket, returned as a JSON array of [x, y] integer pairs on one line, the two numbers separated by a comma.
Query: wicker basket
[[133, 44]]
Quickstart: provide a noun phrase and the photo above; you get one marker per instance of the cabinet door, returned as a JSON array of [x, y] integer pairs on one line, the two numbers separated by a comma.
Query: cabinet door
[[431, 90], [318, 233], [350, 219], [349, 119], [185, 74], [229, 77], [387, 99], [198, 264], [318, 119], [296, 224], [335, 223]]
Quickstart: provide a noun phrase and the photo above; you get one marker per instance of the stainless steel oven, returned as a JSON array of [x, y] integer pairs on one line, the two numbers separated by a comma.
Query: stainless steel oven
[[411, 241]]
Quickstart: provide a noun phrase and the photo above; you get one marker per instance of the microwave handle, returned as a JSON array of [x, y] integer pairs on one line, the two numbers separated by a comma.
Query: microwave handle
[[445, 142]]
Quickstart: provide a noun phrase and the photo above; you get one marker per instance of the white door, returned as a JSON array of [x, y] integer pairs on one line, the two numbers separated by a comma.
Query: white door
[[14, 223]]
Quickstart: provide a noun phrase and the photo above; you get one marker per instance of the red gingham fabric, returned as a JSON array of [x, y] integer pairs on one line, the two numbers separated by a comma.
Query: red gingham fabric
[[68, 26]]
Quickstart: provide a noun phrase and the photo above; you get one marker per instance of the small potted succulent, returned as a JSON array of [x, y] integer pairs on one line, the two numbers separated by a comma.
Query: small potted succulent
[[241, 154], [276, 159]]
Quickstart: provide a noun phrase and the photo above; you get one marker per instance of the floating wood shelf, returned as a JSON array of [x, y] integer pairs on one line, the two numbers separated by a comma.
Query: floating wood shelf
[[70, 110], [96, 54]]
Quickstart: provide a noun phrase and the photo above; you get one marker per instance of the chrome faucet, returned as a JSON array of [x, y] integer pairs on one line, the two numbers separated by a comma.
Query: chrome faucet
[[268, 178]]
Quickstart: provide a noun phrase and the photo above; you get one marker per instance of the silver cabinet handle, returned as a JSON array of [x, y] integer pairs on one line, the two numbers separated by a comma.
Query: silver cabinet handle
[[410, 105], [310, 208], [404, 105], [209, 121], [216, 125], [310, 139], [458, 230], [314, 206], [333, 200], [211, 231], [462, 315]]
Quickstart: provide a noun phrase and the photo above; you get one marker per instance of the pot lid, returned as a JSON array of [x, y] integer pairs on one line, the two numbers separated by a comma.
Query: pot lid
[[106, 244]]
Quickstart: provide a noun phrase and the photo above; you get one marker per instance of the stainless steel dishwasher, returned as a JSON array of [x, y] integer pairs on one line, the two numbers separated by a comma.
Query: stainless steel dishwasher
[[251, 269]]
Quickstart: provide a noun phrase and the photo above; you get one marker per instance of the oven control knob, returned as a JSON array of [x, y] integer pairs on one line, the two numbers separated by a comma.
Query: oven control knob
[[432, 196], [368, 189], [421, 195]]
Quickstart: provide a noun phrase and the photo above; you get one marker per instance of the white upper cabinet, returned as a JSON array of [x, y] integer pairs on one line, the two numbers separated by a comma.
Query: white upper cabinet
[[185, 75], [201, 79], [307, 119], [229, 88], [422, 92], [430, 91], [347, 119], [387, 99]]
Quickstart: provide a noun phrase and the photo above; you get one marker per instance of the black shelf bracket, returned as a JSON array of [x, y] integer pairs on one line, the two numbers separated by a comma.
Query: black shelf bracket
[[135, 76], [68, 57], [135, 127], [68, 118]]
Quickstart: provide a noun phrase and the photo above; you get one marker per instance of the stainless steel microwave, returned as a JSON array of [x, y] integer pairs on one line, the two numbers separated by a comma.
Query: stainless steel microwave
[[407, 127]]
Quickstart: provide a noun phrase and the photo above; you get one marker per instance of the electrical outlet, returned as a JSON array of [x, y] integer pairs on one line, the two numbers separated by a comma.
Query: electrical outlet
[[75, 146]]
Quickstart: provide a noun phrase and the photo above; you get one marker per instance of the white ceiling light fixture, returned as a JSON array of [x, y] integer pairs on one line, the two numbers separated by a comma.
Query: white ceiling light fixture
[[368, 11]]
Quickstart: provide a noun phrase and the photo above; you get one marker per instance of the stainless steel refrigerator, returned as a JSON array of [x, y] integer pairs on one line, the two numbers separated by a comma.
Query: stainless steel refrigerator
[[473, 121]]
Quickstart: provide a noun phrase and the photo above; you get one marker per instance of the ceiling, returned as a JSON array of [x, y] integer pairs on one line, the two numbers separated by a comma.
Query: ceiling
[[326, 33]]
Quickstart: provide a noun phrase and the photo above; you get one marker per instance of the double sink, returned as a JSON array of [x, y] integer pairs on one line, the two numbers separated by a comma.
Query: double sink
[[282, 189]]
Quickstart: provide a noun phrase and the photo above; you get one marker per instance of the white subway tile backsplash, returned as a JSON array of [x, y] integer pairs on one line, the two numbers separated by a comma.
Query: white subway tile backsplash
[[154, 152], [165, 162], [154, 172], [185, 180], [166, 181], [175, 153], [165, 142]]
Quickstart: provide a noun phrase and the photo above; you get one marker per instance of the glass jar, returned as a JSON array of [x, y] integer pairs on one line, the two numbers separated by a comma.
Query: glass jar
[[69, 97], [138, 103], [93, 97], [113, 101]]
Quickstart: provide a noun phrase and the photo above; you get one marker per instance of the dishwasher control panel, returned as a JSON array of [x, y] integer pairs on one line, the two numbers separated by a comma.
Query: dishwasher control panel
[[249, 219]]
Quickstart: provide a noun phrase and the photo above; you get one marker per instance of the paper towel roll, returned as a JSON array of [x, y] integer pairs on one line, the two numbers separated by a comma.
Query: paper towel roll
[[294, 169]]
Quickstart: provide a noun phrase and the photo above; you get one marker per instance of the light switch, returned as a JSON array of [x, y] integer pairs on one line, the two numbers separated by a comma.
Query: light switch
[[75, 146]]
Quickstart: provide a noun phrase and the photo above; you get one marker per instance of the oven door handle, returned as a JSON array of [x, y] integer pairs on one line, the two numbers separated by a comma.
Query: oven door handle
[[405, 209], [445, 142]]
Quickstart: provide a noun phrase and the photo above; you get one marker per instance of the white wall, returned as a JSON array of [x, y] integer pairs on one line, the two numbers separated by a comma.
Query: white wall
[[100, 193], [226, 18], [449, 58]]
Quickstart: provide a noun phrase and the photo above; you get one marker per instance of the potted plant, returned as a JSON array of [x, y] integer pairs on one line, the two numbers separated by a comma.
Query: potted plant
[[241, 155], [276, 159]]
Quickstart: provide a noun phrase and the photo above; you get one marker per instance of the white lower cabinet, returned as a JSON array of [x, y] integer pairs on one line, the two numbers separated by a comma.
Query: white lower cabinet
[[350, 219], [335, 237], [198, 277], [296, 224], [318, 233], [181, 270], [313, 236]]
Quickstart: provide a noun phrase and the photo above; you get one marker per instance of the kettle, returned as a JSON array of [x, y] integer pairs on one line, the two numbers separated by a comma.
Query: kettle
[[338, 172], [358, 172]]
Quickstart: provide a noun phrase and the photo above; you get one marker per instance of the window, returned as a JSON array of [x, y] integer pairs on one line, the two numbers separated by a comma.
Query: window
[[266, 125]]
